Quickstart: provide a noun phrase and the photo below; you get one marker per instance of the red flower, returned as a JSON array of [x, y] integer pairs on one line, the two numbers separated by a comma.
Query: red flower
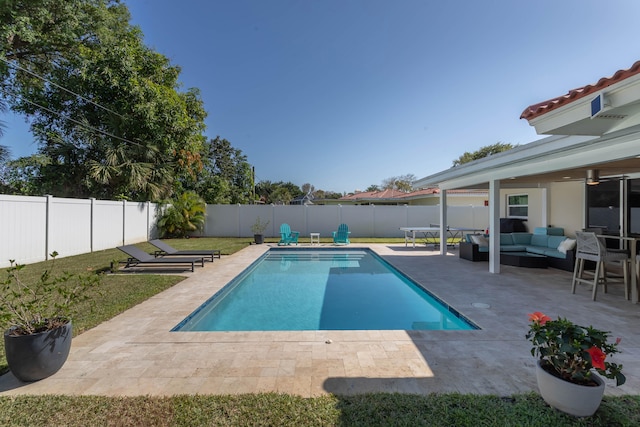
[[538, 317], [597, 357]]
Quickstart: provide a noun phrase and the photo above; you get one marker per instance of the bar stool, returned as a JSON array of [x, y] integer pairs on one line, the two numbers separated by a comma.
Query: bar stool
[[591, 248]]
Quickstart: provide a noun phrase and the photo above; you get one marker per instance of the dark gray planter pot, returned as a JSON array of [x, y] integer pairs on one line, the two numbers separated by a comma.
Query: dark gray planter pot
[[37, 356], [258, 238]]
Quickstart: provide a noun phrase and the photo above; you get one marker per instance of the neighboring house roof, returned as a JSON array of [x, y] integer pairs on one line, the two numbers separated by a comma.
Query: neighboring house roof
[[304, 199], [384, 194], [544, 107], [395, 195]]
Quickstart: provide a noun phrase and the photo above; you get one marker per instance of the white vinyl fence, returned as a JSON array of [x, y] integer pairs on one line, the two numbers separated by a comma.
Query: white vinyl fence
[[363, 221], [33, 227]]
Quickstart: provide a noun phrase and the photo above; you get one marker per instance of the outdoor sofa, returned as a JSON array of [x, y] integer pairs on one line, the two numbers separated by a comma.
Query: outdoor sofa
[[548, 241]]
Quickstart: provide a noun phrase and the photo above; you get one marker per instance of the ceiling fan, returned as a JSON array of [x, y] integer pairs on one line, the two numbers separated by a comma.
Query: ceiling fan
[[594, 178]]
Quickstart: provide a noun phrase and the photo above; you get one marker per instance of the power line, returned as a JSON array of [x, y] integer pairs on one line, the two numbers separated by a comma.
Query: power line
[[84, 125], [18, 67]]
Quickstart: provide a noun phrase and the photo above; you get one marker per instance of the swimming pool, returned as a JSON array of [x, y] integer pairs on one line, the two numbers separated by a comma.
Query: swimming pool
[[322, 289]]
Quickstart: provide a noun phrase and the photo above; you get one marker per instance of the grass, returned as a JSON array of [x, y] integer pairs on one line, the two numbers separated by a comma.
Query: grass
[[268, 409], [121, 291]]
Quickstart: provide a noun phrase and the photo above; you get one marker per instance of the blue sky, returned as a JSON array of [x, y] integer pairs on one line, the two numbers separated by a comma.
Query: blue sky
[[345, 93]]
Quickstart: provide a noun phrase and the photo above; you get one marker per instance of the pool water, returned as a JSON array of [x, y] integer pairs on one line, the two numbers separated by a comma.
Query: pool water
[[322, 289]]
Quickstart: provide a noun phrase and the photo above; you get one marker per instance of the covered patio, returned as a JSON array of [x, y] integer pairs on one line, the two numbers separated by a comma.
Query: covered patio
[[595, 146]]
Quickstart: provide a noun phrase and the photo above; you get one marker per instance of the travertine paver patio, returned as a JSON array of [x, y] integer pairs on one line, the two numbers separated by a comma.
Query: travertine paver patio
[[135, 354]]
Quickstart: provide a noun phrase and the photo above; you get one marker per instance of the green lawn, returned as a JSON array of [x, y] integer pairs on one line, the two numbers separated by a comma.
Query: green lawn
[[122, 291], [270, 409], [381, 409]]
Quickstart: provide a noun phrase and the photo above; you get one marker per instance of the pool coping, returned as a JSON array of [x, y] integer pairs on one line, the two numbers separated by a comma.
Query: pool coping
[[136, 354]]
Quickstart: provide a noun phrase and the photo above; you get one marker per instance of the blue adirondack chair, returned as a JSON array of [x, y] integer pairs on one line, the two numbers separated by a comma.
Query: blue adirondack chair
[[341, 237], [287, 236]]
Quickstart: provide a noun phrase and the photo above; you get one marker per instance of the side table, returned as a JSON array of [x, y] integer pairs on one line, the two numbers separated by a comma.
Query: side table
[[315, 238]]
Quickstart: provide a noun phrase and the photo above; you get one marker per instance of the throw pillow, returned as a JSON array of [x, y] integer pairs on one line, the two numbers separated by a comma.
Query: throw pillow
[[480, 240], [566, 245]]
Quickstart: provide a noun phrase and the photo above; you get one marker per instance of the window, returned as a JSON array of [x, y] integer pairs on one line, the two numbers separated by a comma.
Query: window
[[634, 206], [518, 206], [603, 206]]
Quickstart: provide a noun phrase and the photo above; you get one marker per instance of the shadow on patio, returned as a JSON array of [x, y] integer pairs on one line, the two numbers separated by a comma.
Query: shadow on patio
[[497, 359]]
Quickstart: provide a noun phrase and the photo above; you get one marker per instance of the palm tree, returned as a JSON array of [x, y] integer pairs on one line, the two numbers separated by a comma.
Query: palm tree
[[186, 213]]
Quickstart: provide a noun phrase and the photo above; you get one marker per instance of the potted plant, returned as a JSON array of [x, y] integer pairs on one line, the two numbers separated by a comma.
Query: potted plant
[[36, 315], [258, 228], [567, 355]]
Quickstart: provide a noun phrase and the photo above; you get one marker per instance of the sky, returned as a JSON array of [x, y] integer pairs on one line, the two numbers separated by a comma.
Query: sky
[[343, 94]]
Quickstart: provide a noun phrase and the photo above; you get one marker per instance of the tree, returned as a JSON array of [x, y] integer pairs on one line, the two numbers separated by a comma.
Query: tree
[[185, 213], [225, 176], [372, 188], [485, 151], [400, 183], [277, 192], [114, 121], [5, 154], [281, 196], [21, 176]]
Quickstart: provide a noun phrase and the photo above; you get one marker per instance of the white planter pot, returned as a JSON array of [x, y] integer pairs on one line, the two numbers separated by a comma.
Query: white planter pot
[[574, 399]]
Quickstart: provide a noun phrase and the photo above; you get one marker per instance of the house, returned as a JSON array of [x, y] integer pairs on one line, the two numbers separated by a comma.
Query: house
[[304, 199], [587, 173], [427, 196]]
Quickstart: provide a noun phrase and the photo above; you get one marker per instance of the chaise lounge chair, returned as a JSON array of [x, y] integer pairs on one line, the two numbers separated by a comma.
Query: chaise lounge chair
[[341, 237], [287, 236], [165, 250], [139, 258]]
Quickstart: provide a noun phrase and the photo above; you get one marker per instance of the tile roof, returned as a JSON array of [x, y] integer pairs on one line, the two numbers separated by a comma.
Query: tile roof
[[533, 111], [384, 194], [395, 194]]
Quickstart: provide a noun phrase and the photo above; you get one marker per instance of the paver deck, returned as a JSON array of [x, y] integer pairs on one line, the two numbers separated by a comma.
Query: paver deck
[[135, 354]]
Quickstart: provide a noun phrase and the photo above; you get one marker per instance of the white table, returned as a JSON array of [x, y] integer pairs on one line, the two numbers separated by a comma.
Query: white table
[[315, 238], [431, 234]]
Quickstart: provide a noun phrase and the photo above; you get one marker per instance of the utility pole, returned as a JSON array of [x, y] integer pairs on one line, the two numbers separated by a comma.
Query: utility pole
[[253, 185]]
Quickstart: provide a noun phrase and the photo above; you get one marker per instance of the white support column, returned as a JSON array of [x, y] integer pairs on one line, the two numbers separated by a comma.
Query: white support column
[[443, 222], [494, 226]]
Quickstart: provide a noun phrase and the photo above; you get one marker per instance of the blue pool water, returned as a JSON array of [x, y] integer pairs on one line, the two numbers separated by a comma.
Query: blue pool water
[[322, 289]]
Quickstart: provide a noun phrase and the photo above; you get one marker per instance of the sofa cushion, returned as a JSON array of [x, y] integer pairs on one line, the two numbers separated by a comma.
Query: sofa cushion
[[467, 237], [555, 231], [539, 250], [513, 248], [549, 231], [480, 240], [555, 253], [566, 245], [506, 239], [521, 238], [554, 241], [539, 240]]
